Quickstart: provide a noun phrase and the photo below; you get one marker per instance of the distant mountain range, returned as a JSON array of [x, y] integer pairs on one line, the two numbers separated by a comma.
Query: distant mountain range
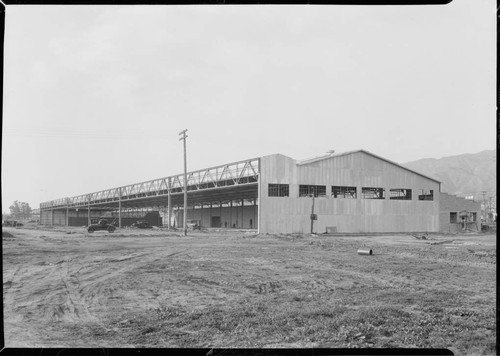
[[465, 174]]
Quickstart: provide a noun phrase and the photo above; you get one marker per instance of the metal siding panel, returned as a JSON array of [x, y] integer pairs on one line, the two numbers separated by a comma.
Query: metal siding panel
[[359, 169], [45, 217], [59, 217]]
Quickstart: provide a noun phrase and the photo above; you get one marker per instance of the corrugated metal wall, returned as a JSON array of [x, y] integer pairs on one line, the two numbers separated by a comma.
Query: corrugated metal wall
[[59, 217], [55, 217], [292, 214], [45, 217]]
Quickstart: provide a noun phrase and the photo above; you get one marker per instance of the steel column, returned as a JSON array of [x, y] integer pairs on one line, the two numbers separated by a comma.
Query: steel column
[[254, 212], [259, 195]]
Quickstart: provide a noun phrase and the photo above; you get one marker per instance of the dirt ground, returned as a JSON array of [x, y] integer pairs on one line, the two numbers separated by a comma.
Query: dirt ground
[[64, 287]]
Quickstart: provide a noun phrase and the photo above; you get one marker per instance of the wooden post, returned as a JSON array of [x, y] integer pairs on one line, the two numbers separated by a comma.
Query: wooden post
[[184, 136], [312, 214], [201, 214], [169, 203], [88, 210], [185, 189], [119, 207]]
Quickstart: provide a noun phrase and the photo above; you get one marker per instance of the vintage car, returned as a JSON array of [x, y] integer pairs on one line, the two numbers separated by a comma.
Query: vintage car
[[101, 225], [141, 224], [13, 223], [193, 224]]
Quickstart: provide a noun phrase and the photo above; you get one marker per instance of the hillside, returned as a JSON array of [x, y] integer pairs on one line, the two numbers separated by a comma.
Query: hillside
[[465, 174]]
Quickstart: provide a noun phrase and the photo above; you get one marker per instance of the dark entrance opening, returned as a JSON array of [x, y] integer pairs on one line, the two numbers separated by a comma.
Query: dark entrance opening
[[215, 221]]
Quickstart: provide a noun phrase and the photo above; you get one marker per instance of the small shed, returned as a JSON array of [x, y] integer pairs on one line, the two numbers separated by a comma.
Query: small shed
[[458, 214]]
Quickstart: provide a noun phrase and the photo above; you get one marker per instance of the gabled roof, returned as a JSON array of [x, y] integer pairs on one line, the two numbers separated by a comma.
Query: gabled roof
[[321, 158]]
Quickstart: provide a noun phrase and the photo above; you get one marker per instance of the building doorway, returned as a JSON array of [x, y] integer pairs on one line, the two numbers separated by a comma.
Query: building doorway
[[215, 221]]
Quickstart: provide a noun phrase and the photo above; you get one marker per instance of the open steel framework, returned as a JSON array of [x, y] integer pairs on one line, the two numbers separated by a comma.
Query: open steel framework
[[233, 181]]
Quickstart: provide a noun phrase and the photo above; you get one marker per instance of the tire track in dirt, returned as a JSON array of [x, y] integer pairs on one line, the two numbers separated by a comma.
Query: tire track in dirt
[[208, 284], [16, 318], [13, 280], [82, 293], [73, 309], [41, 296], [8, 293], [339, 278], [23, 282], [95, 288], [99, 276]]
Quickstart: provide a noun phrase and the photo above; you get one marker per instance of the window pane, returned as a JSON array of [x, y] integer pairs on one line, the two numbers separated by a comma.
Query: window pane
[[344, 192], [372, 193], [425, 194], [309, 190], [400, 194], [278, 190]]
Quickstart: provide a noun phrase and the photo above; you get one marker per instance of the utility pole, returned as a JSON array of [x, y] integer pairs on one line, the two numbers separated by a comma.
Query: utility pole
[[484, 205], [183, 137], [490, 215], [169, 204], [313, 217]]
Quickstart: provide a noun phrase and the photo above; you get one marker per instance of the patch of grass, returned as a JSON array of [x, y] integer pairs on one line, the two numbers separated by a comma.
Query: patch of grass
[[335, 325]]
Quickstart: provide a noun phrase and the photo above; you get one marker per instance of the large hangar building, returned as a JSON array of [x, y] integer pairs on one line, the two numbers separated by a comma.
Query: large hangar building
[[350, 192], [354, 192]]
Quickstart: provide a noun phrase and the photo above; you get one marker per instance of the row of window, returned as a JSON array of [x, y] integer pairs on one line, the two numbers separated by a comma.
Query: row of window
[[454, 217], [346, 192]]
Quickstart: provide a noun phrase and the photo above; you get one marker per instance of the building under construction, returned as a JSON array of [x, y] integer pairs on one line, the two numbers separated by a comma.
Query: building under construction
[[351, 192]]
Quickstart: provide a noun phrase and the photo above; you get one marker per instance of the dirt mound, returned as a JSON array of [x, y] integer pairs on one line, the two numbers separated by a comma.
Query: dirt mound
[[7, 234]]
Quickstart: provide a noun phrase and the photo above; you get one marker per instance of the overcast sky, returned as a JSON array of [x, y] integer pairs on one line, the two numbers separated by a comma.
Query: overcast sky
[[95, 96]]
